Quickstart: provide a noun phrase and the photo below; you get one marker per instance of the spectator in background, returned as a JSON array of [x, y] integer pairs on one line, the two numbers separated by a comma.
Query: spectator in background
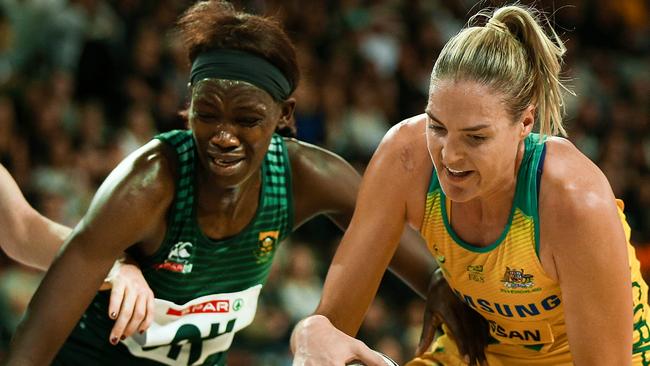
[[332, 45], [301, 286], [6, 39], [14, 150], [138, 130]]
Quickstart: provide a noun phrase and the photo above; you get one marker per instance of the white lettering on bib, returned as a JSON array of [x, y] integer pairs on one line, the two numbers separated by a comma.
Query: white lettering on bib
[[187, 334]]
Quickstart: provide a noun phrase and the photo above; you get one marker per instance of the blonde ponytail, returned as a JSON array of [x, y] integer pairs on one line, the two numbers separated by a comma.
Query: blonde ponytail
[[513, 54]]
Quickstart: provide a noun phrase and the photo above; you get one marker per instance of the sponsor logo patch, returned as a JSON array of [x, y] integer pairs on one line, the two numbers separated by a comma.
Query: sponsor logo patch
[[266, 244], [475, 273], [214, 306], [513, 279], [178, 259]]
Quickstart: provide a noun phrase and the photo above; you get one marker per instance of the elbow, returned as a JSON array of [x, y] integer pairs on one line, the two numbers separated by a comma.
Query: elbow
[[12, 248], [18, 255]]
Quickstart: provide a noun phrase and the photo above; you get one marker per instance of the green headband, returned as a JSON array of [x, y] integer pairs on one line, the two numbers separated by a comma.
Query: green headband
[[240, 65]]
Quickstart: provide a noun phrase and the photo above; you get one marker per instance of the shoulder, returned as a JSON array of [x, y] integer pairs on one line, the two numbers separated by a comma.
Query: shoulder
[[408, 132], [149, 172], [323, 182], [570, 180], [308, 159], [403, 148], [576, 200], [402, 154]]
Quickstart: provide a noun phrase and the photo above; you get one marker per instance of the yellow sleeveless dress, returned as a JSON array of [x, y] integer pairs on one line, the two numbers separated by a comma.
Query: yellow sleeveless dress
[[506, 284]]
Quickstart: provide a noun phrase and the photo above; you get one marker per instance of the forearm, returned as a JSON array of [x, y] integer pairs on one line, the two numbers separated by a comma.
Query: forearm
[[25, 235], [351, 284], [599, 324], [38, 241], [601, 345], [56, 307], [413, 263]]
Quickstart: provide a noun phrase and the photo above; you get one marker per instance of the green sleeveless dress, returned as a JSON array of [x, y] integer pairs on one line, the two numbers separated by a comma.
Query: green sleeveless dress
[[206, 290]]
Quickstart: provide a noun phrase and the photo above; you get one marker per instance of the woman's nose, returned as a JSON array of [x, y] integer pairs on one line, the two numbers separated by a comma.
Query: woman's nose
[[225, 139], [451, 153]]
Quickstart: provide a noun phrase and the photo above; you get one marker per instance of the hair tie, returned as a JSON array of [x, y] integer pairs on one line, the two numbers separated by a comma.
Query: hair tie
[[497, 25]]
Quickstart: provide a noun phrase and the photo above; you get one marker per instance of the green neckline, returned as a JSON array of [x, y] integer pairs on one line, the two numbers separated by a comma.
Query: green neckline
[[227, 240], [506, 229], [463, 243]]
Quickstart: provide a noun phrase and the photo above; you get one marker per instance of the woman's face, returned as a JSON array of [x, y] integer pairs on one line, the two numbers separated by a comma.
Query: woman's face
[[232, 122], [472, 139]]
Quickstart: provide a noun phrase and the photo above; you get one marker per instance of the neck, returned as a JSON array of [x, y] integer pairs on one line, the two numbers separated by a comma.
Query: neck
[[494, 206], [489, 210], [213, 199]]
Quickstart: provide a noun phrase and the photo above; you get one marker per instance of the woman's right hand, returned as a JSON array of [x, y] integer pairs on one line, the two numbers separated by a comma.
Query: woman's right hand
[[132, 302], [468, 328], [316, 342]]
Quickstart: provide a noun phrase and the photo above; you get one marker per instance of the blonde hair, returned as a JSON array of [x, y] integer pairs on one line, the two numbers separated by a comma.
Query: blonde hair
[[513, 54]]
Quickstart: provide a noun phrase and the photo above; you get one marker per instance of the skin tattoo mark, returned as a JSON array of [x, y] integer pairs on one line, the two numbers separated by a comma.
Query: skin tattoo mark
[[405, 157]]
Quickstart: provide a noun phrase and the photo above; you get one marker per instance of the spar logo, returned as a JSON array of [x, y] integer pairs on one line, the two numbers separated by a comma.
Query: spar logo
[[178, 259], [212, 306]]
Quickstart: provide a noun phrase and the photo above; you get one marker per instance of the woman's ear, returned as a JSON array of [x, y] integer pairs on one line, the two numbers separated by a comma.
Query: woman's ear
[[527, 121], [286, 123]]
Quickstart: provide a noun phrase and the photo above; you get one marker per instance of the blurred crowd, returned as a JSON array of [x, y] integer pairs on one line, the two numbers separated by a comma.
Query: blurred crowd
[[85, 82]]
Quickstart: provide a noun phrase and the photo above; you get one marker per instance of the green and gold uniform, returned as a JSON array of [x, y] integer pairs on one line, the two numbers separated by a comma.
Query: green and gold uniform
[[506, 284]]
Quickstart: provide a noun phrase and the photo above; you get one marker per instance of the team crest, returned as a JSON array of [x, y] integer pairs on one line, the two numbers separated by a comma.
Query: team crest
[[178, 259], [266, 244], [513, 278], [475, 273]]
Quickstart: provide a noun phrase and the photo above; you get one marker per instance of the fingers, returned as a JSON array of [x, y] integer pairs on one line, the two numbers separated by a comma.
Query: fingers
[[316, 342], [137, 317], [468, 329], [425, 338], [475, 361], [117, 294], [470, 335], [481, 332], [150, 313], [426, 330], [429, 327], [477, 357], [367, 356], [131, 304], [124, 316], [136, 313]]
